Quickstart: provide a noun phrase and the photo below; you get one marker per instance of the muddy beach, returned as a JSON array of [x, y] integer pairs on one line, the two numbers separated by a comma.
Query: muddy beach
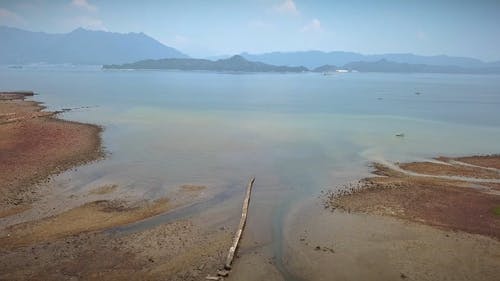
[[435, 220], [42, 238]]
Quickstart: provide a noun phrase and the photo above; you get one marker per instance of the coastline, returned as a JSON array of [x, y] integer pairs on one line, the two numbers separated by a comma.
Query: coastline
[[459, 194], [420, 225], [369, 235], [48, 236], [36, 145]]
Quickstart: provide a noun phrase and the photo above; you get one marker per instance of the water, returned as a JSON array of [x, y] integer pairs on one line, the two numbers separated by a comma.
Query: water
[[297, 133]]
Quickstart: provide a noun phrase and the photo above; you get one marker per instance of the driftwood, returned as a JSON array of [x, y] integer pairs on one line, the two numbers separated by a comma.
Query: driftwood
[[243, 220]]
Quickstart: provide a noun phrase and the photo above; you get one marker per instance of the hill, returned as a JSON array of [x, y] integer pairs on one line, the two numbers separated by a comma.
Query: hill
[[314, 59], [80, 46], [235, 63]]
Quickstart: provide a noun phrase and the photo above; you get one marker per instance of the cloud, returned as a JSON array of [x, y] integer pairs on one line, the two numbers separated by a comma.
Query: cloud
[[10, 18], [287, 7], [84, 4], [313, 26]]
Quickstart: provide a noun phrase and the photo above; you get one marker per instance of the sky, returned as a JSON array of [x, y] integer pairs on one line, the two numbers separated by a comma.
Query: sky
[[224, 27]]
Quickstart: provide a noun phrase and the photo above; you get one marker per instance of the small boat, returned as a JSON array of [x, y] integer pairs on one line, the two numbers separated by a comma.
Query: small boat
[[401, 135]]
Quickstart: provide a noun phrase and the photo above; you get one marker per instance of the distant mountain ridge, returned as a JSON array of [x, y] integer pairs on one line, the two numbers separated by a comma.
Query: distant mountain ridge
[[384, 65], [313, 59], [239, 64], [235, 63], [80, 46]]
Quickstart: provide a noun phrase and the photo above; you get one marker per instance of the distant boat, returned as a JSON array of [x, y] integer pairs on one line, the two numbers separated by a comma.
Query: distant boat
[[342, 70], [418, 93], [401, 135], [15, 66]]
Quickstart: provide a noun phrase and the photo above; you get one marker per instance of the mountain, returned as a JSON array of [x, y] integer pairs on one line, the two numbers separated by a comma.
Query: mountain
[[313, 59], [310, 59], [235, 63], [326, 68], [384, 65], [80, 46]]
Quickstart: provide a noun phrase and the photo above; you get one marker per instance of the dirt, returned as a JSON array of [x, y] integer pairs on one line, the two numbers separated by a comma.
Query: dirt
[[34, 145], [105, 189], [92, 216], [492, 161], [445, 203], [452, 169], [367, 246], [180, 250]]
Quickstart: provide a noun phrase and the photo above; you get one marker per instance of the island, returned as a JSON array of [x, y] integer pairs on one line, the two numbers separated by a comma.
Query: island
[[233, 64]]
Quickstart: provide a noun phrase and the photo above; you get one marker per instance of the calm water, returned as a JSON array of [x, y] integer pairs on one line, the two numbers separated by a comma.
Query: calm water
[[297, 133]]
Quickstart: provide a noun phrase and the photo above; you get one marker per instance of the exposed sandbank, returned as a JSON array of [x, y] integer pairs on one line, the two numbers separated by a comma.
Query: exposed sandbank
[[455, 204], [401, 226], [73, 240], [35, 144]]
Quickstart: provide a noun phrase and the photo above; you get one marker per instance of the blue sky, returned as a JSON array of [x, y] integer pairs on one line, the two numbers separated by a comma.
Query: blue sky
[[207, 28]]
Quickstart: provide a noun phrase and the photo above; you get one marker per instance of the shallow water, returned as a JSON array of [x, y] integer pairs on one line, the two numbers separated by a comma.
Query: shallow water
[[297, 133]]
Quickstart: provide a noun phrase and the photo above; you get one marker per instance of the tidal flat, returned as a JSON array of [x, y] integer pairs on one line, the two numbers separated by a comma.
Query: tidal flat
[[162, 196]]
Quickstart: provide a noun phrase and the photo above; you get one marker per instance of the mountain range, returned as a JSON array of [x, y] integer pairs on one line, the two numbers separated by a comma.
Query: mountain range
[[313, 59], [80, 46], [139, 51]]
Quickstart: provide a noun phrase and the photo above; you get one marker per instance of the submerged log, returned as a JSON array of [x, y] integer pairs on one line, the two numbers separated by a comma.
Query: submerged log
[[237, 236]]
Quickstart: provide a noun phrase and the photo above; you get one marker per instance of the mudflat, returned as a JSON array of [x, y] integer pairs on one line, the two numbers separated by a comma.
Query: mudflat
[[35, 144], [435, 220], [48, 236], [453, 194]]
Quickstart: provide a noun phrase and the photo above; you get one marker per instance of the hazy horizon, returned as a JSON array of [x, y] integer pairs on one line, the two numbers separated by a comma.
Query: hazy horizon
[[205, 29]]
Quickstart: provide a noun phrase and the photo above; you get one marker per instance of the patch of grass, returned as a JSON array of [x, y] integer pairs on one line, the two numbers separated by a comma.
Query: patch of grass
[[496, 211]]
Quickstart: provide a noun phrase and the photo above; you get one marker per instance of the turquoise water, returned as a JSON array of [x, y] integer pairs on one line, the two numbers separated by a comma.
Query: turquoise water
[[297, 133], [294, 131]]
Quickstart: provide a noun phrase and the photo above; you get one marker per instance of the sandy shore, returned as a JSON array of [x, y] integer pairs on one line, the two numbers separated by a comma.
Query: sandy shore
[[34, 144], [436, 220], [42, 238], [454, 194]]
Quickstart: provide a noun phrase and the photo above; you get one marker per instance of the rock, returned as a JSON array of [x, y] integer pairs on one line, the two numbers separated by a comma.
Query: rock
[[223, 273]]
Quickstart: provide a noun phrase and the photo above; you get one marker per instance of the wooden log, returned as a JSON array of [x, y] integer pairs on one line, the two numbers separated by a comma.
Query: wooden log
[[243, 220]]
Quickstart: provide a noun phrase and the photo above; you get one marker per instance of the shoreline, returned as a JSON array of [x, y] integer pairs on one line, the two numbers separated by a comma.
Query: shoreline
[[370, 235], [419, 225], [37, 145], [51, 236], [460, 193]]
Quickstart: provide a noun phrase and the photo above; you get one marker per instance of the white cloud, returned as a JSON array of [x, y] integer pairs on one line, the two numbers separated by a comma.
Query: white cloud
[[84, 4], [287, 7], [313, 26], [10, 18]]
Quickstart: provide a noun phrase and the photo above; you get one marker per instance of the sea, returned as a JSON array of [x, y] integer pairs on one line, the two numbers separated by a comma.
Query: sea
[[297, 134]]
